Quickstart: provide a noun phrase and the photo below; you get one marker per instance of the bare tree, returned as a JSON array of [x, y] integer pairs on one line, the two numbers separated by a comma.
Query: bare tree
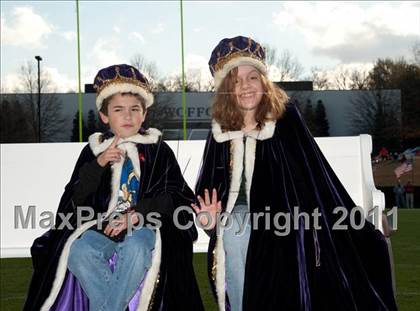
[[341, 80], [197, 83], [193, 76], [320, 79], [193, 82], [416, 53], [174, 84], [208, 86], [347, 79], [50, 105], [287, 66], [399, 74], [377, 113], [359, 80], [148, 68], [14, 125]]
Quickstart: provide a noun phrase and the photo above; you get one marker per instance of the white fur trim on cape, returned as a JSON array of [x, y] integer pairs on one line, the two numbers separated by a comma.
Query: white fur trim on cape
[[235, 62], [150, 137], [251, 145], [149, 281], [220, 272], [152, 275], [237, 167], [238, 154], [62, 265], [266, 132], [129, 145], [115, 88]]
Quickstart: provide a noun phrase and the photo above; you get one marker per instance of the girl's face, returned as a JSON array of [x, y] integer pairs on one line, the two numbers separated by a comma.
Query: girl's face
[[248, 87]]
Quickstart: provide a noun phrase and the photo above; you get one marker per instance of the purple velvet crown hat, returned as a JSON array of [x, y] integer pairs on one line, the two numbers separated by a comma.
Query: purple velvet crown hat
[[233, 52], [121, 79]]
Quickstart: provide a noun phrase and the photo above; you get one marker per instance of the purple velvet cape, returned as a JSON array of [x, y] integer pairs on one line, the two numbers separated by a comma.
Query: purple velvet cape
[[307, 269], [160, 176]]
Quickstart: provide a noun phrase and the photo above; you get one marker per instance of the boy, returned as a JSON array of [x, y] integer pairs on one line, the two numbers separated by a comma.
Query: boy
[[115, 263]]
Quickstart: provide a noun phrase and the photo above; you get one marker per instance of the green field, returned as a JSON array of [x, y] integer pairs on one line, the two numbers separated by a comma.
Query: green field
[[16, 272]]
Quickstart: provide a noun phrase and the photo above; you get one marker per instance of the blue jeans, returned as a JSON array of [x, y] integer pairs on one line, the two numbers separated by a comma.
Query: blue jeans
[[399, 198], [235, 243], [88, 261]]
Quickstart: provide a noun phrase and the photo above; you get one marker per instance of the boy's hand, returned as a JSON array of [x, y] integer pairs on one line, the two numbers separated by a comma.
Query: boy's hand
[[120, 224], [212, 207], [111, 154]]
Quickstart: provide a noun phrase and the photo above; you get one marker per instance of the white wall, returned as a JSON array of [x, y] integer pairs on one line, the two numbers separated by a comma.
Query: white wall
[[36, 174]]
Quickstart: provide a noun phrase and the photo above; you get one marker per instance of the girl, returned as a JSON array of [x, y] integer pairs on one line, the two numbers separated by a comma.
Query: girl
[[263, 169]]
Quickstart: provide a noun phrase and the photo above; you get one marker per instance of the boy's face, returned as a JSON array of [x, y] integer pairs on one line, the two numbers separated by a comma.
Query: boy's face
[[125, 115]]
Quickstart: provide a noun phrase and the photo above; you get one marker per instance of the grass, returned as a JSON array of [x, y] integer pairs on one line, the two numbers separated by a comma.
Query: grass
[[406, 248], [15, 273]]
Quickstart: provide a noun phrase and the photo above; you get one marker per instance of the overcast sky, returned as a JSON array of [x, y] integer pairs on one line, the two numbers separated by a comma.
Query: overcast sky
[[328, 35]]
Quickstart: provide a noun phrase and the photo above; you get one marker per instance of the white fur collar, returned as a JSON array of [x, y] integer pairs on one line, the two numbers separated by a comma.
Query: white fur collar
[[237, 157], [152, 276], [150, 137], [129, 145], [265, 133], [149, 282]]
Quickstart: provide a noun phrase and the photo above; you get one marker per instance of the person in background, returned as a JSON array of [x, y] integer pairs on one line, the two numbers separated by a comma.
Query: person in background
[[409, 194], [399, 194]]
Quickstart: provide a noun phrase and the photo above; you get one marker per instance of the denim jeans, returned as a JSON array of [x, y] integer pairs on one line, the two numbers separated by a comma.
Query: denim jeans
[[235, 243], [409, 198], [88, 261]]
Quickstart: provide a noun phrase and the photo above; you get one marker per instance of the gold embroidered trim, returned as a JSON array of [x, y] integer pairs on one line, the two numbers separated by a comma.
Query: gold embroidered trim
[[152, 300], [120, 79], [226, 59], [214, 266], [235, 52], [231, 151]]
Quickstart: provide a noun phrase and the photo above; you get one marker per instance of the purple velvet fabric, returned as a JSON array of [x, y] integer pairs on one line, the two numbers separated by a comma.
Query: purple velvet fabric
[[166, 189], [72, 297], [315, 269], [227, 305]]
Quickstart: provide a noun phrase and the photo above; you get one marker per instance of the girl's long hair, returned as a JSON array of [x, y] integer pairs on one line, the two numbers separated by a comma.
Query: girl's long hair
[[227, 112]]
